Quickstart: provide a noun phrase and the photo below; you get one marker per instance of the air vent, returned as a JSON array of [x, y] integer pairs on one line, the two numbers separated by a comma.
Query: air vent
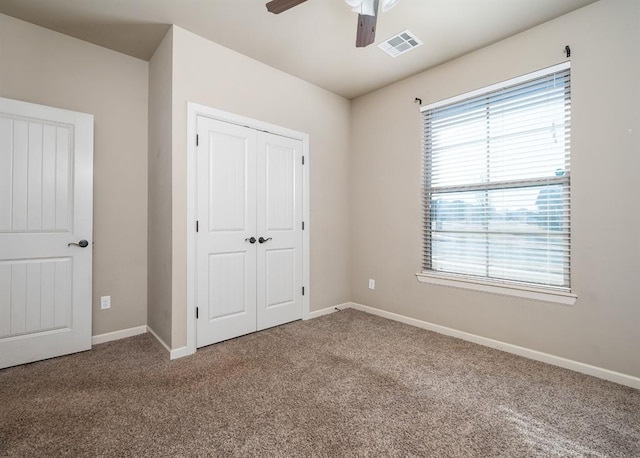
[[400, 43]]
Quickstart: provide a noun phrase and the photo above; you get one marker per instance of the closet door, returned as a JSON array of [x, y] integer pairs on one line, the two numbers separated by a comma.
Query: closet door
[[226, 211], [279, 230]]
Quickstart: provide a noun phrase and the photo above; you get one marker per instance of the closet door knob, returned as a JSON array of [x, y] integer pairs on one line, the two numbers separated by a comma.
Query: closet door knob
[[251, 240], [262, 240]]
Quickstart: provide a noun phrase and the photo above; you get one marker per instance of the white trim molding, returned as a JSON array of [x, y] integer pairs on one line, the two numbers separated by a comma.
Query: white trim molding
[[599, 372], [583, 368], [130, 332], [173, 354], [327, 311], [117, 335], [505, 289], [178, 353], [193, 111], [162, 342]]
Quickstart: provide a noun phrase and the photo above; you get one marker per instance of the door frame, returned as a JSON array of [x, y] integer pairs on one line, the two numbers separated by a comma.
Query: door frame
[[193, 111]]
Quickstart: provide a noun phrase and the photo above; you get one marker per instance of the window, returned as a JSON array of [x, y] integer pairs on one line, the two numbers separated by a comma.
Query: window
[[497, 184]]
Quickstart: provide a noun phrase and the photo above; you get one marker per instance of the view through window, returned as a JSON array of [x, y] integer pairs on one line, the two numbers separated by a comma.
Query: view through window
[[497, 182]]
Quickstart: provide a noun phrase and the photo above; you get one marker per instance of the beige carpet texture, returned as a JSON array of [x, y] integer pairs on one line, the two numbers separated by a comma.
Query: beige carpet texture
[[346, 384]]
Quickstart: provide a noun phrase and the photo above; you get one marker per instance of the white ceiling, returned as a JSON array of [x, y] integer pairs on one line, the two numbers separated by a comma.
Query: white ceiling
[[314, 41]]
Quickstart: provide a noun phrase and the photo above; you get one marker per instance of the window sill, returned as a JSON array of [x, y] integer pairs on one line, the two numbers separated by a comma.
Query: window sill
[[538, 294]]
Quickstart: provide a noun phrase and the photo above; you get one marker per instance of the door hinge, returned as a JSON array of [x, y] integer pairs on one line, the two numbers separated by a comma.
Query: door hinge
[[302, 160], [197, 139], [197, 313], [197, 225], [303, 290], [303, 225]]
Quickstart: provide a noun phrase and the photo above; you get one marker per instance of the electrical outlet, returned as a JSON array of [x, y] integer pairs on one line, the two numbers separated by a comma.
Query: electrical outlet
[[105, 302], [372, 283]]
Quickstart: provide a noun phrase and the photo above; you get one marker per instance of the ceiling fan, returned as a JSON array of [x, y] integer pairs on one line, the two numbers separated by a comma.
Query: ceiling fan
[[367, 15]]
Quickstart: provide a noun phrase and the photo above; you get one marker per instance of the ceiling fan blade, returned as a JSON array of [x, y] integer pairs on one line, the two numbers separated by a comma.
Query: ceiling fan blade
[[366, 33], [278, 6]]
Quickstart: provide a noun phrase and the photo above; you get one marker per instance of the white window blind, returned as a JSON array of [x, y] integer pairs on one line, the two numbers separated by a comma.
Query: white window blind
[[497, 188]]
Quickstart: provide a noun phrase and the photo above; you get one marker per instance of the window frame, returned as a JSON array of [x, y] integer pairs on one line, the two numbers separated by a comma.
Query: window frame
[[562, 295]]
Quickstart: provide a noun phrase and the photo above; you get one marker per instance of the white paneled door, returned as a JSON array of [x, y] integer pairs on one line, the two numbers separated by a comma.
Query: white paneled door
[[249, 239], [226, 261], [279, 225], [46, 200]]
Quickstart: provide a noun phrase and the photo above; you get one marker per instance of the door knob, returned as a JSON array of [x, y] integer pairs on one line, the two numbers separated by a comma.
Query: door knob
[[251, 240], [81, 244], [262, 240]]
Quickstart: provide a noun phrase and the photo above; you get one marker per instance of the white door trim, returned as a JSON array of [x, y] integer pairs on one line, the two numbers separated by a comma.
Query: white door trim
[[193, 111]]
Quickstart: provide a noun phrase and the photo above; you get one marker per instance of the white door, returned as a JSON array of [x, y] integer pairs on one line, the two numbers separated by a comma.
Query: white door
[[280, 225], [249, 239], [226, 237], [46, 200]]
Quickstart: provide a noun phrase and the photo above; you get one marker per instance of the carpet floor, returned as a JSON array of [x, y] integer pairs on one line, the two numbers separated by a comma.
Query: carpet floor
[[346, 384]]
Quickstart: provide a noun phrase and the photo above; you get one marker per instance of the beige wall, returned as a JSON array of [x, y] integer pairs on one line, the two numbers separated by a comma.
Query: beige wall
[[602, 327], [45, 67], [209, 74], [365, 175], [159, 207]]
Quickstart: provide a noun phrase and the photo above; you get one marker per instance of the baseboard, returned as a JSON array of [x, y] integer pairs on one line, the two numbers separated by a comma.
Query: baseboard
[[178, 353], [583, 368], [326, 311], [599, 372], [116, 335], [162, 342], [173, 354]]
